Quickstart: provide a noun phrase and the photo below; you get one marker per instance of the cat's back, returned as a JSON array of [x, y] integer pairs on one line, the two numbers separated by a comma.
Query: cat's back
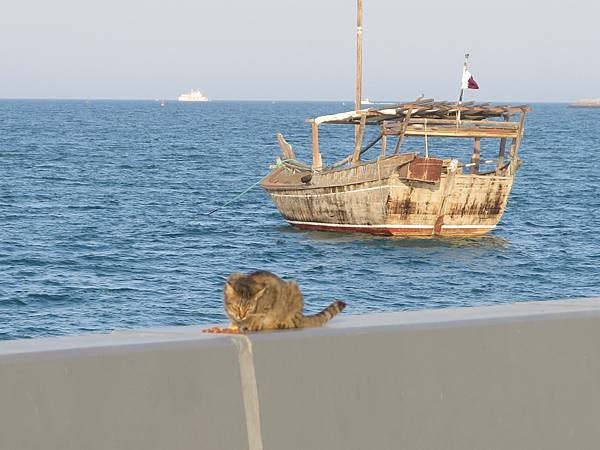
[[266, 278], [274, 288], [286, 294]]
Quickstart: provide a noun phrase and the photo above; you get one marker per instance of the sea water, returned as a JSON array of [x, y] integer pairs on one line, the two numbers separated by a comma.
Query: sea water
[[104, 224]]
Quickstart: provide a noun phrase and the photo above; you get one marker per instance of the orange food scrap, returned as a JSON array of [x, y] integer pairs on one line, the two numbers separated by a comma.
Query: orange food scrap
[[211, 330], [231, 330]]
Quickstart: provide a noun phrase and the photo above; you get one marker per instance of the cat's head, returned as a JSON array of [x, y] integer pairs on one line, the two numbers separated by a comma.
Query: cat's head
[[241, 296]]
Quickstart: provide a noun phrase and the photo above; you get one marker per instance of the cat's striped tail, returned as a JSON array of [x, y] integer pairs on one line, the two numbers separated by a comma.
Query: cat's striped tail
[[320, 318]]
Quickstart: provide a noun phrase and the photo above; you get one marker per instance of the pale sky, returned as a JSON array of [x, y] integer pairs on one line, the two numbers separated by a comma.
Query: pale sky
[[298, 50]]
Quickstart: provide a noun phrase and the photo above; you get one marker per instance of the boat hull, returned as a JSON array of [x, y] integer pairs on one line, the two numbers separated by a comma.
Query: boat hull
[[385, 198]]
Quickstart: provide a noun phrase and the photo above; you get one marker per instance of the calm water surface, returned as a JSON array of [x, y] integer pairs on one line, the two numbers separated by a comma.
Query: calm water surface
[[104, 226]]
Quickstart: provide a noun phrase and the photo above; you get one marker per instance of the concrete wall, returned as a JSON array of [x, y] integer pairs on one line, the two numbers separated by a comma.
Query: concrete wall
[[522, 376]]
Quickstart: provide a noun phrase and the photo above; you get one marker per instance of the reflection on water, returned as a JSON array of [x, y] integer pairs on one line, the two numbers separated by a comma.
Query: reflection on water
[[397, 241]]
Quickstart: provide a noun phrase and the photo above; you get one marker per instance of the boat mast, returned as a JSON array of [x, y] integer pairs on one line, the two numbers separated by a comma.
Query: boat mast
[[358, 93], [359, 30]]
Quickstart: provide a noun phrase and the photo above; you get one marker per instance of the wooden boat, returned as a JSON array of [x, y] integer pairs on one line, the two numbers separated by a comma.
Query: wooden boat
[[400, 193], [403, 193]]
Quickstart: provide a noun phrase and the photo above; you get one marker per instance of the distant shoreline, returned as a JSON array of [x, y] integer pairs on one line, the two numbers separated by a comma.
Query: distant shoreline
[[586, 103]]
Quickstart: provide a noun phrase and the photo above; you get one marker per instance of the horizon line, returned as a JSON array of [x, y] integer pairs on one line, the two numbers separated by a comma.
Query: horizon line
[[253, 100]]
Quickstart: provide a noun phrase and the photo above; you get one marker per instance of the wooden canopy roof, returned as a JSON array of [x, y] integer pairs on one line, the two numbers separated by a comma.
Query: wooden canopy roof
[[425, 109]]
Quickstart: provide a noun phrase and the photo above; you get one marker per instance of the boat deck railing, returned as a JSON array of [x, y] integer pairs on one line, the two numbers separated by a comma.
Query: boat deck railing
[[427, 118]]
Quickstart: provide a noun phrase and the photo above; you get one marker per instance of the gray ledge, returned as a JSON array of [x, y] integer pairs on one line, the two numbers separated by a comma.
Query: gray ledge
[[518, 376]]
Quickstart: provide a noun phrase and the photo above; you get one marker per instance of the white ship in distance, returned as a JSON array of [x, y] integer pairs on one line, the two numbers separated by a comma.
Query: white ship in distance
[[193, 96]]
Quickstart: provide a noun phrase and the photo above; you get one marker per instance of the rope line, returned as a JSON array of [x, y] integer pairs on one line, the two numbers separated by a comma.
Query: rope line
[[237, 196], [278, 163]]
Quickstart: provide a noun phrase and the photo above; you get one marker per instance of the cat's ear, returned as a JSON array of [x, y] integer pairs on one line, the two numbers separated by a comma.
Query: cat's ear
[[229, 290], [231, 282]]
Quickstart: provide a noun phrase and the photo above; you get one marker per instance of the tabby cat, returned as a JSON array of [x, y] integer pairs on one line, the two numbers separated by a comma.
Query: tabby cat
[[263, 301]]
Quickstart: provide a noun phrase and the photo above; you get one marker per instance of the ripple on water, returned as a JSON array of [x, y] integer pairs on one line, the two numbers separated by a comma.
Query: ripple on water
[[105, 211]]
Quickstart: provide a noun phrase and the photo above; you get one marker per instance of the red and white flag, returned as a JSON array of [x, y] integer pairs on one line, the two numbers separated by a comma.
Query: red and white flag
[[467, 81]]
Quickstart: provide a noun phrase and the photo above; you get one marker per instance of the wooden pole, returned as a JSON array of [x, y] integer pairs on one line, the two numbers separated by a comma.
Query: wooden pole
[[462, 90], [403, 132], [426, 141], [358, 144], [359, 31], [476, 156], [502, 151], [516, 143], [317, 163], [358, 93]]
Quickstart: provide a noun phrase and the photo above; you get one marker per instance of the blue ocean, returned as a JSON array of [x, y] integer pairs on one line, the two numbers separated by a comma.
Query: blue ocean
[[104, 218]]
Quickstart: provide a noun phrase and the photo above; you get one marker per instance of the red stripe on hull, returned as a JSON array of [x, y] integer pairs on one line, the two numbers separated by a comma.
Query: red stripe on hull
[[394, 231]]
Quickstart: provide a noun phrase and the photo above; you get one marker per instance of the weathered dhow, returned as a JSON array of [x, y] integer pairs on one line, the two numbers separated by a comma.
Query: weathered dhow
[[404, 193]]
